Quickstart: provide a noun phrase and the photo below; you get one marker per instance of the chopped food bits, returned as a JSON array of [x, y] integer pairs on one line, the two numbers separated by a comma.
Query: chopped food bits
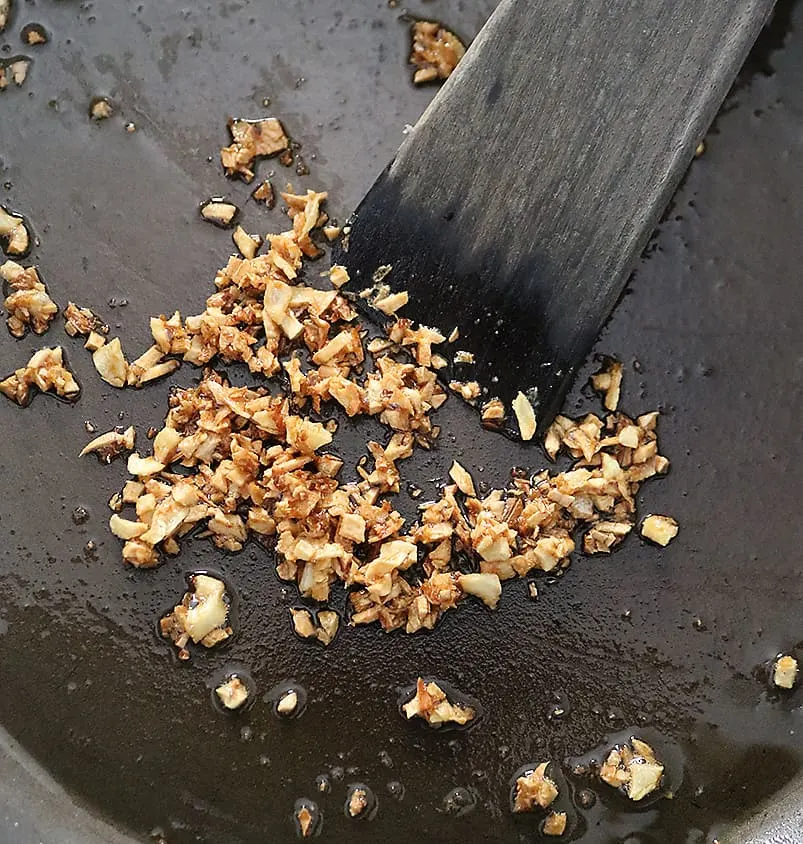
[[784, 672], [357, 802], [111, 364], [287, 703], [248, 244], [525, 416], [81, 322], [32, 34], [219, 212], [28, 303], [307, 817], [608, 382], [14, 70], [264, 193], [462, 478], [392, 302], [324, 630], [47, 372], [633, 768], [659, 529], [555, 823], [431, 704], [486, 587], [13, 231], [534, 788], [101, 108], [201, 616], [435, 52], [467, 390], [5, 13], [110, 445], [252, 139], [233, 693]]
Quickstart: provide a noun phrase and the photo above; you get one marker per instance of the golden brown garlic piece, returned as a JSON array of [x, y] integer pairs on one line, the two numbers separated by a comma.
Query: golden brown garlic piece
[[201, 617], [13, 231], [46, 372], [28, 303], [81, 322], [435, 52], [110, 445], [659, 529], [252, 139], [431, 704], [608, 382], [533, 789], [324, 631], [233, 693], [784, 672], [633, 768]]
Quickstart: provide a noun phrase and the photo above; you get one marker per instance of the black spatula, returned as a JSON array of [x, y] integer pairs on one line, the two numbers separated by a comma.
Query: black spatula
[[518, 205]]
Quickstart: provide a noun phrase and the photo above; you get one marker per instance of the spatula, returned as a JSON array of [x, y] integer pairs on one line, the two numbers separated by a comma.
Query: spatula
[[517, 206]]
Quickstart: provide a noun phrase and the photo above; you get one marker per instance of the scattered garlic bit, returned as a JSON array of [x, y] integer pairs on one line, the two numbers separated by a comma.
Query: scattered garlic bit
[[534, 789], [634, 768], [435, 52], [784, 673], [659, 529], [233, 693], [33, 34], [357, 802], [201, 616], [604, 536], [252, 139], [324, 631], [338, 275], [46, 372], [264, 193], [5, 13], [110, 363], [219, 212], [392, 302], [252, 462], [13, 232], [28, 304], [525, 416], [467, 390], [101, 108], [94, 341], [248, 244], [111, 444], [493, 413], [431, 704], [462, 478], [288, 703], [555, 823], [332, 232], [81, 322], [305, 819], [464, 357], [485, 586], [15, 70], [608, 382]]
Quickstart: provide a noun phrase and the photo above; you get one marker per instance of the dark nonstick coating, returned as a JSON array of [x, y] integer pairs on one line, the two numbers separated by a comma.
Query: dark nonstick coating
[[672, 641]]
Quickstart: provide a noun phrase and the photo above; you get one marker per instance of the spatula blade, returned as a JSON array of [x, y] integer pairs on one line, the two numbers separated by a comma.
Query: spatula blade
[[517, 207]]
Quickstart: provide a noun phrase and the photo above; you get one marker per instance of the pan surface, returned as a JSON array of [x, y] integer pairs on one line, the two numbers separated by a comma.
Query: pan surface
[[674, 641]]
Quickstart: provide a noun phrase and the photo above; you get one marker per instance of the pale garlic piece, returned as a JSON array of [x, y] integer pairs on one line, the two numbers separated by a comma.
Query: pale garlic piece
[[784, 672], [462, 478], [111, 444], [534, 788], [659, 529], [633, 767], [485, 586], [525, 416], [608, 382], [248, 244], [555, 823], [219, 212], [111, 364], [201, 617], [287, 703], [233, 693]]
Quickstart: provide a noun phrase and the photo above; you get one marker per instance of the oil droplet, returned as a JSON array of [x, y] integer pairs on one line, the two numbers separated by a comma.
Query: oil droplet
[[585, 798], [337, 773], [395, 790], [459, 801], [384, 758], [246, 733], [80, 516]]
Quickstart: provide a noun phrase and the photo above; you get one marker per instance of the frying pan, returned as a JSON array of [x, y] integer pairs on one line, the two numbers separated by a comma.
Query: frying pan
[[672, 641]]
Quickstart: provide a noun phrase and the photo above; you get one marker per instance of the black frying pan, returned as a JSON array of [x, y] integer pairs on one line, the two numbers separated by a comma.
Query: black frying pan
[[674, 641]]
